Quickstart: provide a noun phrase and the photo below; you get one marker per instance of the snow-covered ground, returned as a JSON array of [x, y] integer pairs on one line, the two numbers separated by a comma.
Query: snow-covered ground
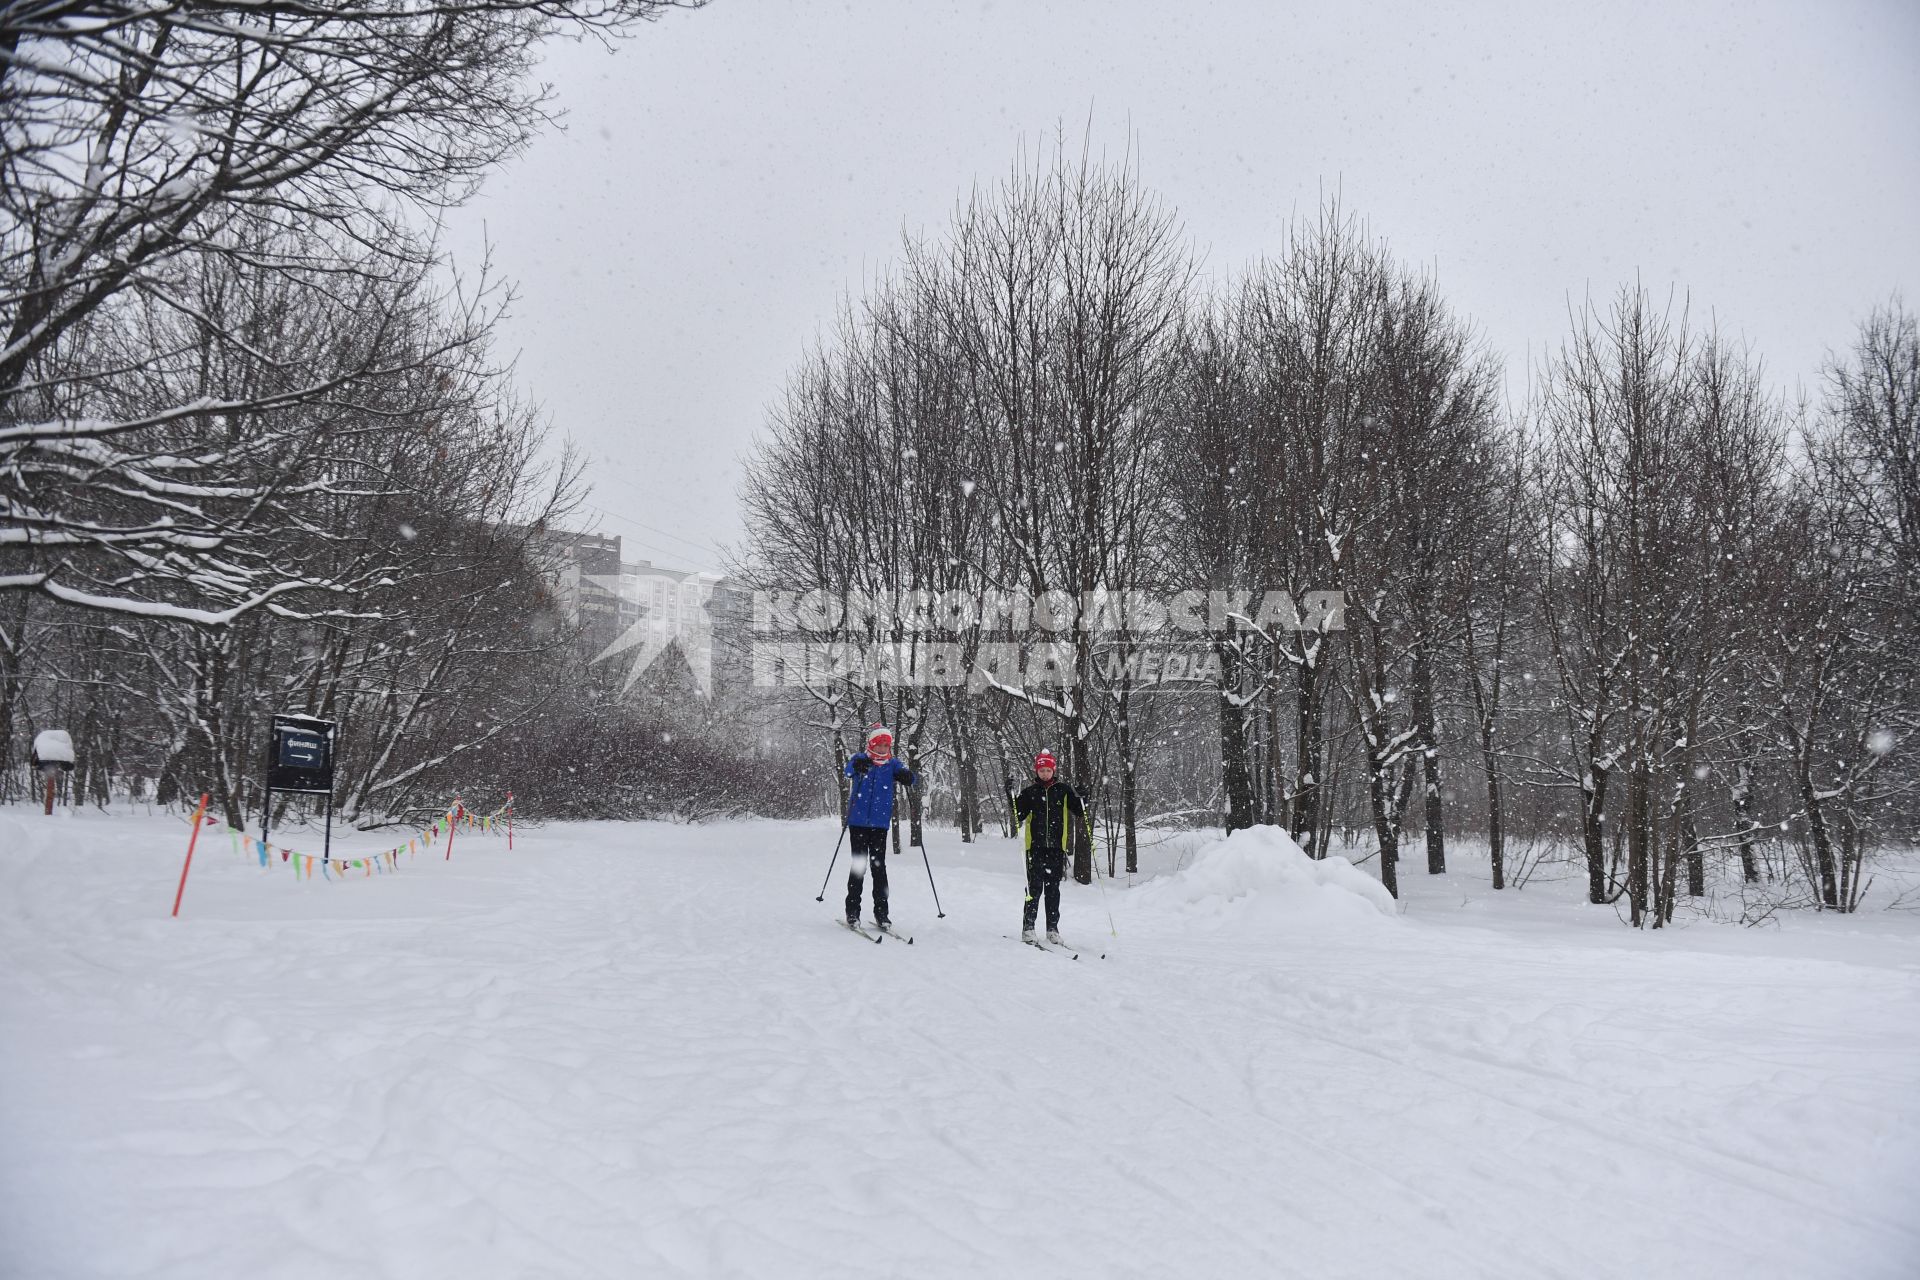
[[644, 1050]]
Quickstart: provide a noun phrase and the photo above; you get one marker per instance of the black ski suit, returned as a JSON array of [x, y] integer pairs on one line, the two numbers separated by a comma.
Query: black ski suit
[[1044, 809]]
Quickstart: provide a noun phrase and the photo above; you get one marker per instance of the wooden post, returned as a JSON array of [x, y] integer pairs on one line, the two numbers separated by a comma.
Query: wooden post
[[452, 827], [509, 822], [186, 866]]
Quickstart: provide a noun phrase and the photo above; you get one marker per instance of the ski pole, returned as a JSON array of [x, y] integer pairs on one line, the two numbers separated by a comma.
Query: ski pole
[[1096, 878], [822, 895], [930, 884]]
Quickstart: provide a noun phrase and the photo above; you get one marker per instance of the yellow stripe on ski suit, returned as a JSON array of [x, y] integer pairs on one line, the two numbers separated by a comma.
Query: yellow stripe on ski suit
[[1086, 816]]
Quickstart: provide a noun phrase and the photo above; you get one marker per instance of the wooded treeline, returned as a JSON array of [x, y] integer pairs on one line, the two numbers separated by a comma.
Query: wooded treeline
[[1657, 615], [255, 453]]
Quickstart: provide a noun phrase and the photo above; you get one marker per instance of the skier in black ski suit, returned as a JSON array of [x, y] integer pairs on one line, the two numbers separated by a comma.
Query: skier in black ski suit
[[869, 814], [1044, 808]]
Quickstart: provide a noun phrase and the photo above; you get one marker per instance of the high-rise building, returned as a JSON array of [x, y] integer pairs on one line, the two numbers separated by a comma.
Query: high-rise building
[[632, 612], [580, 567]]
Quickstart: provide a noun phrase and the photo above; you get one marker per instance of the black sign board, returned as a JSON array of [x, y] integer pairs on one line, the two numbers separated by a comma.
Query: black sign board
[[300, 757]]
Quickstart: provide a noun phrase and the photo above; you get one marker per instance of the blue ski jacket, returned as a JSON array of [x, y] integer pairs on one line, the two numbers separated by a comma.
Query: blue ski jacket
[[872, 802]]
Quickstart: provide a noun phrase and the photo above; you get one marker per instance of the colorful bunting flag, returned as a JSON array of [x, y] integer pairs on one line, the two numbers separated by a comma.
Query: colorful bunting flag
[[383, 863]]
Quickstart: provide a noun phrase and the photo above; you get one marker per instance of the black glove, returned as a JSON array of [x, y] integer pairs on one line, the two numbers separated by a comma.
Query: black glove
[[861, 764]]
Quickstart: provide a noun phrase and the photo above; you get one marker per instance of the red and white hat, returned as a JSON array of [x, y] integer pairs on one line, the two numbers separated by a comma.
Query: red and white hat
[[880, 741], [1044, 761]]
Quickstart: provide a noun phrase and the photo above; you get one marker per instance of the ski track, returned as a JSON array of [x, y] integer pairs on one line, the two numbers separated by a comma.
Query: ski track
[[628, 1050]]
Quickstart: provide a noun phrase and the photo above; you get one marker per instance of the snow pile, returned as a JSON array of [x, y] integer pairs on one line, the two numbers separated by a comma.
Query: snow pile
[[1260, 876]]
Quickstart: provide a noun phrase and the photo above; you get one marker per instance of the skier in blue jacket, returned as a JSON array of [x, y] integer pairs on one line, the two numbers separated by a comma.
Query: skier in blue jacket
[[869, 813]]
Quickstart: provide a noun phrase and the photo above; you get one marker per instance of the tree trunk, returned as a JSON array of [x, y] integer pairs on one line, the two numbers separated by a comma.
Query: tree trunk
[[1696, 858], [1817, 826], [1639, 854], [1007, 791], [918, 837], [1435, 810], [841, 782], [1743, 808], [1851, 852], [969, 793], [1386, 828], [1236, 774], [1308, 795], [1496, 832], [966, 765], [1593, 831], [1082, 764], [1273, 787], [1329, 774], [13, 638], [1490, 766]]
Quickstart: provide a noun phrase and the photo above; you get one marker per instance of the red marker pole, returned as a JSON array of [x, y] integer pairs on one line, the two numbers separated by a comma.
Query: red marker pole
[[509, 822], [451, 828], [186, 866]]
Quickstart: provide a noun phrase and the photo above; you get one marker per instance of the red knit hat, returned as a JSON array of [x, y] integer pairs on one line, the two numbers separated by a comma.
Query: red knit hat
[[1044, 761], [880, 741]]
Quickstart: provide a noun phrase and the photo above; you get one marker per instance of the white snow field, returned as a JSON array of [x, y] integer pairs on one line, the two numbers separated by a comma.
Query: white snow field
[[638, 1050]]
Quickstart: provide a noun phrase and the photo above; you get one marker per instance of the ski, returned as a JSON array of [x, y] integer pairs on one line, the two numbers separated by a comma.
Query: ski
[[854, 928], [891, 932], [1038, 945]]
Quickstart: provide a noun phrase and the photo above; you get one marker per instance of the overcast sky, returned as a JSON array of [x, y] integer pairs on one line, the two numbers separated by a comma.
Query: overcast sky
[[726, 175]]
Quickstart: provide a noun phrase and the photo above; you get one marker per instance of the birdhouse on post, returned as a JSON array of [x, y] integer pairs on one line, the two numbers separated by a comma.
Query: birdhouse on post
[[52, 755]]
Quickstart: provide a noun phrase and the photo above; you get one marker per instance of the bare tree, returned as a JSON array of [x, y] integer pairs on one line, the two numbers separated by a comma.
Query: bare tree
[[1436, 420], [1212, 492], [1615, 399], [1844, 675], [1062, 293], [1496, 571], [1311, 324], [147, 144]]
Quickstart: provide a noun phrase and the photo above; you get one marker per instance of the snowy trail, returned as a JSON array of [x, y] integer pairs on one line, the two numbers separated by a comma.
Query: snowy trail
[[643, 1050]]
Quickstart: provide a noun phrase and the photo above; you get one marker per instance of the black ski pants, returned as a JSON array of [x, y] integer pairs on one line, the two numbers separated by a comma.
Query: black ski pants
[[869, 848], [1045, 867]]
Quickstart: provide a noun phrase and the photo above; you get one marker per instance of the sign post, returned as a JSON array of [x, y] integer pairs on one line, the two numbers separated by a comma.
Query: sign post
[[300, 760]]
